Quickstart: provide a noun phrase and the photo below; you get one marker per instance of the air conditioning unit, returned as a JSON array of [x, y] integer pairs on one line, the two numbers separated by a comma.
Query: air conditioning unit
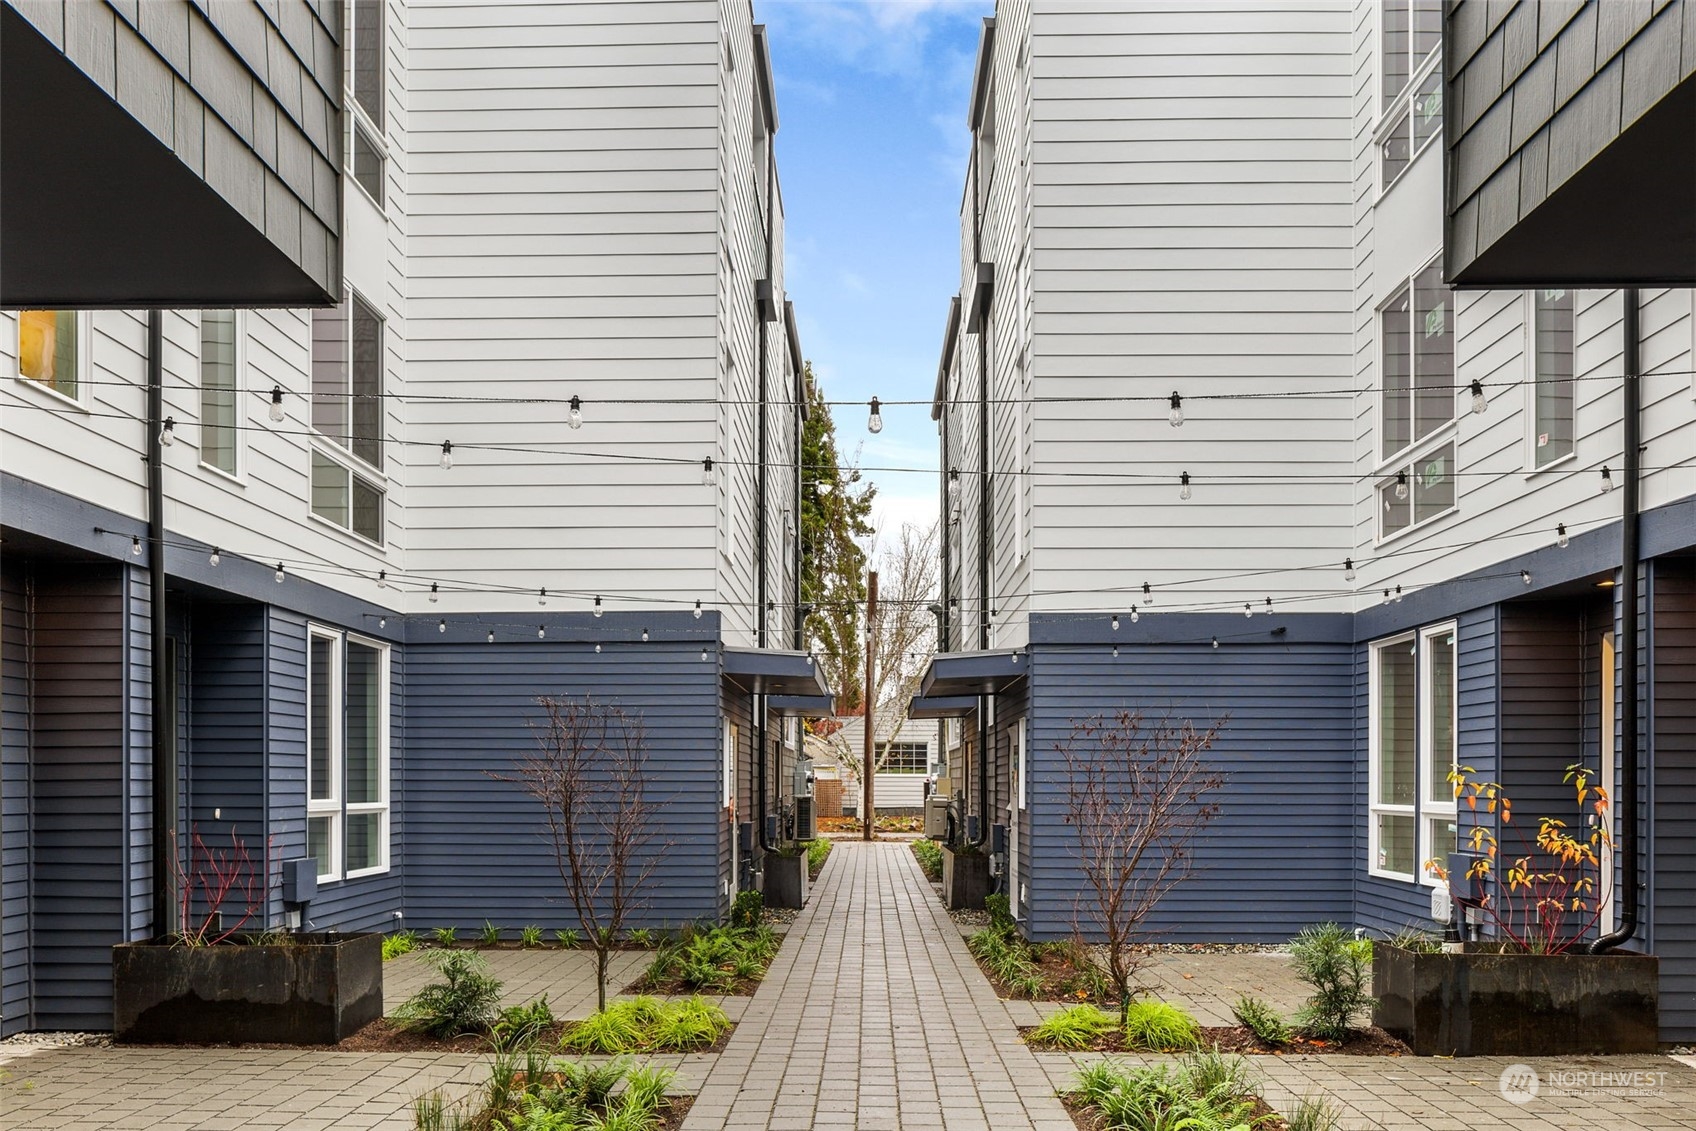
[[806, 819], [936, 817]]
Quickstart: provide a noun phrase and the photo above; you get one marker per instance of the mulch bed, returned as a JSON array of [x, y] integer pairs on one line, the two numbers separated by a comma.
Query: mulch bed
[[675, 987], [1262, 1118], [1238, 1039], [384, 1035]]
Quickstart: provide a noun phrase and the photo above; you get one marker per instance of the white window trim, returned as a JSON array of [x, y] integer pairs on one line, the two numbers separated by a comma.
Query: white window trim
[[239, 476], [85, 360], [367, 807], [730, 743], [1429, 808], [328, 808], [1447, 434], [1432, 59], [359, 467], [1389, 116], [1389, 462], [1021, 775], [1529, 317], [360, 122], [1374, 747]]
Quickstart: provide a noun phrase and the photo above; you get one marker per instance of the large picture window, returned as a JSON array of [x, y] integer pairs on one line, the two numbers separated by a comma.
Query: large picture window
[[347, 824], [220, 360], [1411, 811], [1552, 345], [907, 758]]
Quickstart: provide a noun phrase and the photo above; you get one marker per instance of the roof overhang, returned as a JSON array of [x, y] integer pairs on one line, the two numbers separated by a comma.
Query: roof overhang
[[793, 335], [972, 673], [802, 706], [950, 337], [762, 61], [768, 671], [980, 77], [941, 706]]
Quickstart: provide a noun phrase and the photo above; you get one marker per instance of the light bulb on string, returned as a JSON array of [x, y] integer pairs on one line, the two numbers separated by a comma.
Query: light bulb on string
[[597, 608], [1525, 576], [441, 626], [1479, 404], [279, 573], [1115, 622], [703, 655], [697, 608], [953, 483], [1607, 479], [168, 432], [1175, 417], [1248, 611], [707, 471], [644, 636], [135, 544], [382, 579], [447, 455], [542, 595], [1561, 539], [541, 632], [1147, 594], [824, 487], [597, 647], [874, 422], [1398, 594], [1215, 643], [1184, 491], [275, 412], [215, 558], [1386, 596], [1348, 569], [574, 418], [1401, 485], [1115, 651], [435, 591], [382, 622], [491, 636], [1268, 606], [1135, 616]]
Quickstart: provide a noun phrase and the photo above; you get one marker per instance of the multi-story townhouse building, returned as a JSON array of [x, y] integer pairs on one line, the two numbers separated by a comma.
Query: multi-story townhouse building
[[1221, 443], [541, 440]]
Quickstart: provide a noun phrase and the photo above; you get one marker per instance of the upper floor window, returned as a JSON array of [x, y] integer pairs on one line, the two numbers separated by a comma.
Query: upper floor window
[[1411, 30], [347, 824], [219, 391], [1413, 84], [1417, 332], [50, 350], [1552, 424], [1419, 489], [366, 54], [347, 410]]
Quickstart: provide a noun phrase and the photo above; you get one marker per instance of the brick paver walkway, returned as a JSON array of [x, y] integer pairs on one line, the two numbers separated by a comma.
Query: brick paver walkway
[[874, 1016]]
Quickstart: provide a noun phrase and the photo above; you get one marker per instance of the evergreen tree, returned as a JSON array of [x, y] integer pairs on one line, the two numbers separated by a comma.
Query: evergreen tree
[[835, 523]]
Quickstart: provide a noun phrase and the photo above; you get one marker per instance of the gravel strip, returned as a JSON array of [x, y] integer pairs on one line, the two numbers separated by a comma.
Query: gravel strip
[[22, 1044]]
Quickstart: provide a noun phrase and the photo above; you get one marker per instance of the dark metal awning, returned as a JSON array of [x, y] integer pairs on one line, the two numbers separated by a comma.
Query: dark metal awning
[[972, 673], [941, 706], [802, 706], [767, 671]]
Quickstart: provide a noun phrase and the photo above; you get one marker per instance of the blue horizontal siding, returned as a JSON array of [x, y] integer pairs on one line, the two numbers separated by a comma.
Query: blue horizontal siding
[[1278, 856], [16, 826], [1672, 807]]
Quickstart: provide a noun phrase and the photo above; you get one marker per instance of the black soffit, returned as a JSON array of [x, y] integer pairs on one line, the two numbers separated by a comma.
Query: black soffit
[[972, 673], [96, 213]]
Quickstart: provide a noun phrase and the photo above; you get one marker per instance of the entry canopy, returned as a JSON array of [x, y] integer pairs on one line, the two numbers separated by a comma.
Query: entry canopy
[[767, 671], [972, 673], [941, 706], [802, 706]]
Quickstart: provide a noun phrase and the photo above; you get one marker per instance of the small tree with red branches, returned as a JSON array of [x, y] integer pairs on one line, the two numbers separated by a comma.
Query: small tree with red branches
[[213, 878], [589, 773], [1137, 796]]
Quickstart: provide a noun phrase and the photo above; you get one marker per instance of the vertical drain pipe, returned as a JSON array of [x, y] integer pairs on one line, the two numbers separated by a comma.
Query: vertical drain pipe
[[1631, 551], [164, 758]]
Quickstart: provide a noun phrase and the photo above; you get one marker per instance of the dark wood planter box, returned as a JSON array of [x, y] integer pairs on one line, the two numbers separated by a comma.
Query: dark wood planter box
[[312, 990], [786, 880], [1486, 1003], [965, 879]]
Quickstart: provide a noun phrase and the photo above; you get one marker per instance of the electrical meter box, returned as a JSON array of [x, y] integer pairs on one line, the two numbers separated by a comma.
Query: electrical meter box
[[936, 817]]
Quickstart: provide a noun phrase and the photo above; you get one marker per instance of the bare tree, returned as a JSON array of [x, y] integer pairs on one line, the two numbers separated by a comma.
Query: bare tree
[[1137, 796], [590, 775]]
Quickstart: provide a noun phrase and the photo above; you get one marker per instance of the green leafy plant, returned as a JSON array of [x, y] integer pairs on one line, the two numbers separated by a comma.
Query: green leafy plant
[[1008, 958], [1212, 1072], [1075, 1027], [715, 959], [1337, 966], [1160, 1027], [1000, 914], [530, 937], [1417, 939], [648, 1023], [642, 937], [445, 936], [1262, 1020], [568, 937], [1313, 1113], [930, 858], [1195, 1096], [746, 910], [520, 1026], [490, 935], [399, 943], [462, 1002], [818, 851], [432, 1112]]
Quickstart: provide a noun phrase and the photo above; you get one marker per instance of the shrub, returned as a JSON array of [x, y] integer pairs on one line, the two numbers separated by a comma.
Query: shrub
[[1337, 966], [399, 943], [1008, 957], [1313, 1113], [519, 1026], [817, 852], [641, 936], [1163, 1098], [445, 936], [530, 936], [1160, 1027], [1262, 1020], [490, 935], [462, 1002], [746, 910], [1212, 1072], [568, 937], [930, 858], [645, 1023], [1000, 914], [1416, 939], [1075, 1027]]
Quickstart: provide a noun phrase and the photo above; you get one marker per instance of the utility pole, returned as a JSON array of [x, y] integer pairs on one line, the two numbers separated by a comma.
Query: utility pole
[[868, 702]]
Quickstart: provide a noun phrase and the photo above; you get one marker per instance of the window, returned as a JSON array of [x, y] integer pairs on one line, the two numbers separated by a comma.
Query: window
[[367, 164], [367, 58], [986, 146], [1412, 735], [907, 758], [1421, 489], [50, 350], [347, 824], [1417, 332], [1417, 121], [1412, 83], [219, 389], [1411, 31], [347, 410], [1552, 338]]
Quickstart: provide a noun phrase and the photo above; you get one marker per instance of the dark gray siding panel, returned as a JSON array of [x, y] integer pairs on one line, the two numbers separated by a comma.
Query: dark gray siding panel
[[1672, 815], [78, 714], [138, 753], [1279, 856], [285, 732], [15, 820], [477, 849]]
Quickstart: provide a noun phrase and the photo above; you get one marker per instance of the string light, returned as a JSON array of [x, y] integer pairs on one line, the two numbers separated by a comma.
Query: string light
[[1607, 479], [597, 608], [491, 636], [1135, 616], [447, 455], [382, 579], [953, 483], [1147, 594], [1215, 643], [1479, 404], [1525, 576], [874, 422], [542, 596], [1115, 651], [135, 544], [1348, 569], [1176, 416], [707, 471], [442, 625], [1561, 539], [435, 592], [1401, 485], [276, 410], [597, 647], [1115, 622], [279, 573], [1398, 594], [168, 432], [215, 558], [574, 418], [1268, 606], [703, 655], [644, 636], [697, 608], [824, 487], [541, 632], [1248, 610], [1184, 491], [382, 622]]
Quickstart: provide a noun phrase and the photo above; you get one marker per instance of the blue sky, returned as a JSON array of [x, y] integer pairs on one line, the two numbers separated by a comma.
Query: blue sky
[[871, 148]]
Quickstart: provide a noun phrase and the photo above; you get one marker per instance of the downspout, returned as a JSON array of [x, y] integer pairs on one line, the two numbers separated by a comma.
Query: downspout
[[984, 328], [796, 565], [164, 758], [760, 524], [1631, 550]]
